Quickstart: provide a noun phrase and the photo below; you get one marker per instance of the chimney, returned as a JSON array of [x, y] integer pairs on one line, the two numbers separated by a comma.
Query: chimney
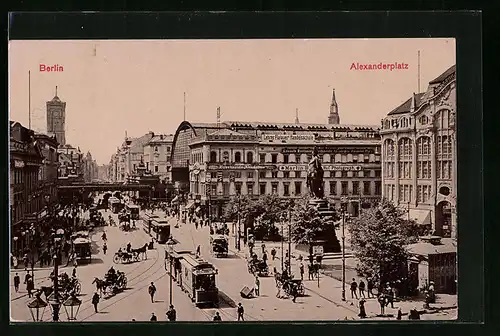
[[161, 136]]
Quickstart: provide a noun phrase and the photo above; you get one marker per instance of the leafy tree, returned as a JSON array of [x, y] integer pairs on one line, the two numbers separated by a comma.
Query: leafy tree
[[308, 225], [241, 207], [266, 212], [379, 238]]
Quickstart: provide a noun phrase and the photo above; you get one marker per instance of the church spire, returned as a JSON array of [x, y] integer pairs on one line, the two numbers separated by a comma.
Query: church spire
[[334, 117], [297, 116], [56, 90]]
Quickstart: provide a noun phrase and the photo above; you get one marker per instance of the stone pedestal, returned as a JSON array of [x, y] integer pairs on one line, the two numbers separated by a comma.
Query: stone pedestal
[[327, 238]]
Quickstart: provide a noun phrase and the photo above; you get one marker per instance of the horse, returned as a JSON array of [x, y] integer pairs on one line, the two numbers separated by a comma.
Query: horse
[[100, 284], [141, 250]]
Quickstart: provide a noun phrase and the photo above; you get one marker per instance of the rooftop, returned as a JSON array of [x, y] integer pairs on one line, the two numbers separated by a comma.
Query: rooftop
[[444, 75], [405, 107]]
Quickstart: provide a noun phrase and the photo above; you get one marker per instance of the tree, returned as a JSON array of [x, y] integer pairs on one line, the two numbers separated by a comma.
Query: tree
[[238, 207], [267, 211], [308, 224], [379, 238]]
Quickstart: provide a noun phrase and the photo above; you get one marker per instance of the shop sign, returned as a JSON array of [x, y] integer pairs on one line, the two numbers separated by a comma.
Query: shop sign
[[329, 150], [325, 168], [239, 166], [18, 164], [288, 137]]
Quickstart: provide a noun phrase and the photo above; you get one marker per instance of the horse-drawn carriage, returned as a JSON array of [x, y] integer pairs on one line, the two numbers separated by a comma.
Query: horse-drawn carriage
[[258, 267], [137, 254], [219, 245], [65, 286], [114, 282], [289, 285]]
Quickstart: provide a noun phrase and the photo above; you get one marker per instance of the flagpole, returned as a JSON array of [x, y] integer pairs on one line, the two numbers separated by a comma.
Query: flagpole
[[29, 99]]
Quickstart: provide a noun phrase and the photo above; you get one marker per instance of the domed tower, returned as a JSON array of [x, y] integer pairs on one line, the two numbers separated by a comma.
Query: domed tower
[[334, 117]]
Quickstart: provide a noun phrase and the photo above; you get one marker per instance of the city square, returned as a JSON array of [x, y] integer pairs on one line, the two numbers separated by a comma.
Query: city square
[[234, 220]]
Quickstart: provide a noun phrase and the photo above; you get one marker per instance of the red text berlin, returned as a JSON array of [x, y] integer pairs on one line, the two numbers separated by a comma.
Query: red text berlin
[[379, 66], [51, 68]]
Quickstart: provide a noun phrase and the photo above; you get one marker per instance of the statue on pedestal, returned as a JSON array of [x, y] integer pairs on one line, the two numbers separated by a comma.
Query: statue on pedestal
[[315, 176]]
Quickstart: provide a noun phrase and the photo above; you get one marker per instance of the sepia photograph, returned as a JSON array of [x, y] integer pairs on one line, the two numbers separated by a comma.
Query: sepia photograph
[[237, 180]]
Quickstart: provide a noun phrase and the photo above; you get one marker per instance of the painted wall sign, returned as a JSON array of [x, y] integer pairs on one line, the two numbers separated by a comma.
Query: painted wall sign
[[288, 137], [329, 150], [19, 164], [325, 167], [239, 166]]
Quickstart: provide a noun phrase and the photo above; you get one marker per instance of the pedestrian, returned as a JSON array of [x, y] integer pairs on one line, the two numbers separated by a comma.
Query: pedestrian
[[389, 294], [17, 280], [264, 257], [370, 288], [104, 238], [241, 312], [257, 286], [400, 314], [27, 277], [25, 261], [74, 272], [381, 302], [310, 271], [273, 253], [198, 251], [301, 269], [153, 317], [354, 287], [362, 288], [152, 291], [278, 294], [172, 314], [104, 248], [362, 311], [263, 247], [95, 301], [217, 317], [295, 291]]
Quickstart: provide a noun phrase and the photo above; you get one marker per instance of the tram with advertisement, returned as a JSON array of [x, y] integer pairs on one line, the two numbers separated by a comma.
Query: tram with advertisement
[[197, 278], [160, 230], [133, 210], [115, 205]]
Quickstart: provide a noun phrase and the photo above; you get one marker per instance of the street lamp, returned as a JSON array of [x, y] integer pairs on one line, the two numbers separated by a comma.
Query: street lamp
[[343, 201], [170, 243], [72, 306], [37, 308]]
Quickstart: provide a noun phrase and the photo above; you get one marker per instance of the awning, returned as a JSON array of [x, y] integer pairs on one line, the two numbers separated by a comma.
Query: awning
[[421, 217], [189, 205]]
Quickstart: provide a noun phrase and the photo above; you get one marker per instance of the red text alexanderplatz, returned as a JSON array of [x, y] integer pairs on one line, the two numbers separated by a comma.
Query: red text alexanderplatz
[[379, 66], [51, 68]]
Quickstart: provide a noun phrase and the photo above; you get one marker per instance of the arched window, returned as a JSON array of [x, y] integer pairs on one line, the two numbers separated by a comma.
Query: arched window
[[405, 164], [213, 156], [443, 119], [389, 159], [249, 157], [237, 157], [387, 124], [389, 149], [225, 156]]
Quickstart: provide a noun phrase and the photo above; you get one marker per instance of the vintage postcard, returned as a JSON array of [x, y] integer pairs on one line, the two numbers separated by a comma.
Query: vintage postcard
[[233, 180]]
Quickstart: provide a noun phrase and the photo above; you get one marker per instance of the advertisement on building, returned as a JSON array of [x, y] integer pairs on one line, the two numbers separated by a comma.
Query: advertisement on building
[[330, 150], [292, 167]]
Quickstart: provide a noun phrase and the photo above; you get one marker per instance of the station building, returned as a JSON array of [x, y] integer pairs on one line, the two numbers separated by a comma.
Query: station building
[[419, 155], [214, 162]]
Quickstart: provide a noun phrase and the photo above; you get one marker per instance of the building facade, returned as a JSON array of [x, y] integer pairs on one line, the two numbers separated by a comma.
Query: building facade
[[419, 155], [157, 153], [27, 207], [56, 119], [90, 170], [48, 145], [256, 159], [128, 156], [70, 162]]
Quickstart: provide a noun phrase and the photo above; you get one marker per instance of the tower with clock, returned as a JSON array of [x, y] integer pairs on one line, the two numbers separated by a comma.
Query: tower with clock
[[56, 119]]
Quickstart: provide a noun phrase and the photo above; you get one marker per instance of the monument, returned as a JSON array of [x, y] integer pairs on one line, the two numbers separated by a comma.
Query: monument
[[326, 240]]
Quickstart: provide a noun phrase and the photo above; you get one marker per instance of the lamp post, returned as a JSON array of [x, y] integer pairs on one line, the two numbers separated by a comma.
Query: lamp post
[[238, 235], [408, 210], [289, 241], [170, 243], [72, 306], [37, 308], [282, 240], [343, 202], [54, 298]]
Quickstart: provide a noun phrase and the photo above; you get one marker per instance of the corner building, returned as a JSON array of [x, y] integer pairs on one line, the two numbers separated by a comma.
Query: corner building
[[419, 155], [217, 161]]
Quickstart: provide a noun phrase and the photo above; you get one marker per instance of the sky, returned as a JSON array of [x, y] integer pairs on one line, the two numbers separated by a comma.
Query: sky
[[112, 87]]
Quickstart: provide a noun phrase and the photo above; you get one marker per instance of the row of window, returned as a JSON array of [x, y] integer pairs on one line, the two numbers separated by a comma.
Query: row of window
[[288, 158], [405, 148], [292, 174], [406, 192], [443, 169], [297, 190]]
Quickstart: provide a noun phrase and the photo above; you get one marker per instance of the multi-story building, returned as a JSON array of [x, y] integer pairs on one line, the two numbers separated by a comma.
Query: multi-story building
[[26, 197], [130, 155], [157, 156], [90, 171], [70, 161], [48, 145], [251, 158], [419, 155], [56, 119], [113, 167]]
